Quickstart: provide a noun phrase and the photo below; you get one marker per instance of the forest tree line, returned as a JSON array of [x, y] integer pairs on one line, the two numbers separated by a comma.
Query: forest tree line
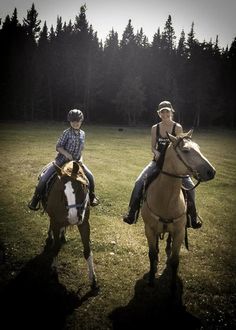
[[46, 72]]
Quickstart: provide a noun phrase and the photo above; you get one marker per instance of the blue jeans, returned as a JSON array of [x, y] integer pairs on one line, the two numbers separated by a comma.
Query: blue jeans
[[50, 170], [147, 172]]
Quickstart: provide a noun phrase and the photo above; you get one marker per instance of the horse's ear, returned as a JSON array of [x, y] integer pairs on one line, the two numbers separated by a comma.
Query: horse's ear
[[171, 137], [75, 168], [190, 133], [58, 169]]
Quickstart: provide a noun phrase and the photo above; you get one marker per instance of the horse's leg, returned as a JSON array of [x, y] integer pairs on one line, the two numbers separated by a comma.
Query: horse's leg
[[56, 230], [62, 235], [152, 239], [178, 238], [168, 246], [49, 239], [84, 230]]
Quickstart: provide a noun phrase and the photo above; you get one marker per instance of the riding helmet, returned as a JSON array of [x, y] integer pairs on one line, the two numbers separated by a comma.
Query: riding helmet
[[75, 115]]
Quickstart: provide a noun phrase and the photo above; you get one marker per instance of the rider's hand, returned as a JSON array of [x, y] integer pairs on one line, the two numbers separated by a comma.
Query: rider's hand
[[156, 155], [68, 155]]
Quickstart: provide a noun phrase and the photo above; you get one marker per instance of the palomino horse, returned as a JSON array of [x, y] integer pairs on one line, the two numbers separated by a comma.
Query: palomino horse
[[164, 208], [68, 204]]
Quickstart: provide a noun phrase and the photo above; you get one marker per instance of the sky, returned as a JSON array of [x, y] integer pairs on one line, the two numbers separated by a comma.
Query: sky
[[210, 17]]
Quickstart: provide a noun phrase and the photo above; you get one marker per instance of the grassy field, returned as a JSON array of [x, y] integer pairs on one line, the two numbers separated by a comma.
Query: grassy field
[[207, 272]]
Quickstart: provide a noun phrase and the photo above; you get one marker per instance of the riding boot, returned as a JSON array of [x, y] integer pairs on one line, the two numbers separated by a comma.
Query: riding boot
[[94, 201], [47, 172], [132, 216], [193, 219], [34, 203], [134, 206]]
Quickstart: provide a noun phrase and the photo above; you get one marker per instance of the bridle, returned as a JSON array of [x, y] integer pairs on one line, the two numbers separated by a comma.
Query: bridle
[[176, 147], [79, 206]]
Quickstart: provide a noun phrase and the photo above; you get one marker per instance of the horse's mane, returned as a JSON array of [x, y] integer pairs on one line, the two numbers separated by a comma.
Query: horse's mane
[[159, 165], [161, 158], [75, 170]]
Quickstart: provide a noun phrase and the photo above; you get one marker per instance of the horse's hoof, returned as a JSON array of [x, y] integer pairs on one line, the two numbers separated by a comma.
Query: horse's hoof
[[151, 284], [95, 287], [48, 244], [54, 273], [49, 241], [63, 239]]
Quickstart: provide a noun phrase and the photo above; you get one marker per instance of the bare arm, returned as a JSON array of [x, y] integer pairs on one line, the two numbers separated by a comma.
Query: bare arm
[[178, 129], [153, 142], [64, 153]]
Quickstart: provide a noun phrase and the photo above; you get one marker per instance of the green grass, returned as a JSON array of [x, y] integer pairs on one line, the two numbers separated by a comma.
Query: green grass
[[206, 280]]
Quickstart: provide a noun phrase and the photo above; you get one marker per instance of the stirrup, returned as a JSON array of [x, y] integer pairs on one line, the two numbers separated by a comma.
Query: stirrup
[[94, 201], [194, 224], [34, 208], [131, 218], [32, 205], [128, 219]]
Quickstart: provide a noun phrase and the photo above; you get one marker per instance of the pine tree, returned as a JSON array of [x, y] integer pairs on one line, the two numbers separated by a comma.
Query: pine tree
[[156, 43], [11, 65], [111, 74], [128, 36], [130, 99], [32, 24], [168, 36], [181, 49]]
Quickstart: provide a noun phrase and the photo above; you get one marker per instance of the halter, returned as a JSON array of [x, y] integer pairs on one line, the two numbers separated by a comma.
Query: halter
[[80, 205], [185, 164]]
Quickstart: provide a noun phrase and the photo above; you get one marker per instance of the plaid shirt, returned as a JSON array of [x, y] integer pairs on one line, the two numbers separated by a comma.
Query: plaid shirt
[[73, 142]]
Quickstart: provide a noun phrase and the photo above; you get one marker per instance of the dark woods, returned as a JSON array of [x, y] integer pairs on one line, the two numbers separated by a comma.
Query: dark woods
[[44, 73]]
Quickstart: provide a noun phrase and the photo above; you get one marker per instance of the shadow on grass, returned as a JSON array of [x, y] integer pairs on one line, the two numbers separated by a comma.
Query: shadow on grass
[[155, 307], [35, 299]]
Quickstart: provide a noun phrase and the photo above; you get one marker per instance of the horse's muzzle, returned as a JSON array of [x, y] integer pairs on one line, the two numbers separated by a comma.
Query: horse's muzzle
[[204, 173], [209, 174]]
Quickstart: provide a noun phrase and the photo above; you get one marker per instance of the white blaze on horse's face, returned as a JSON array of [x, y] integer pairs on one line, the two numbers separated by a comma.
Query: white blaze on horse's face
[[71, 200]]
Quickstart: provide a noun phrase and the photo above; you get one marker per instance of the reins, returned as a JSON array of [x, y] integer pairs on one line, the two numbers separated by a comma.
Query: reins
[[181, 177], [55, 164], [186, 165], [174, 175]]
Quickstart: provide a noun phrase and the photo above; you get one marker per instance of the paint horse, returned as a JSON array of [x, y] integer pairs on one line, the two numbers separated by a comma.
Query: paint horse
[[68, 204], [164, 206]]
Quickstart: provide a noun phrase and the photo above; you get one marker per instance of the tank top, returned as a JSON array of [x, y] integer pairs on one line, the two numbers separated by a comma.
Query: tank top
[[162, 141]]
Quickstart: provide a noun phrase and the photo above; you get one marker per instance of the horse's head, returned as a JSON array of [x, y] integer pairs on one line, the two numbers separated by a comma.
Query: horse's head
[[189, 156], [75, 188]]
